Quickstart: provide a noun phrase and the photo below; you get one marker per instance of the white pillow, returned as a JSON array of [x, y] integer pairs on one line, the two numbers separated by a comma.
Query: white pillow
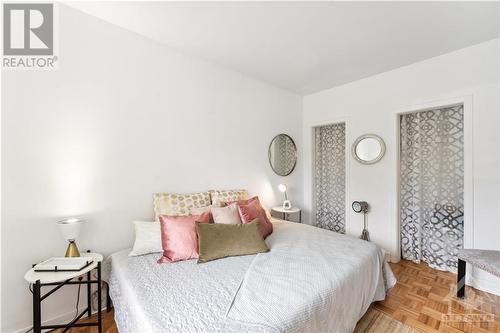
[[227, 215], [147, 238]]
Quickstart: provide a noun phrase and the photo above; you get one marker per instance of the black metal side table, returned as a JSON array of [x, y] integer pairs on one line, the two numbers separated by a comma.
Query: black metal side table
[[60, 279]]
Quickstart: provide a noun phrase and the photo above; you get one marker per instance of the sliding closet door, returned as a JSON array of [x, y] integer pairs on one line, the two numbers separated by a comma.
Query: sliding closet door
[[329, 177], [432, 186]]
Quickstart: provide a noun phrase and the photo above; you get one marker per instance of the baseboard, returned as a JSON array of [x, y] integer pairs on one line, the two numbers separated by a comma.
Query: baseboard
[[61, 319], [394, 259], [482, 280]]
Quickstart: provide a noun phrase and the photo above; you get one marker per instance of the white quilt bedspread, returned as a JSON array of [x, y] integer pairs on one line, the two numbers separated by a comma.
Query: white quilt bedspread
[[312, 280], [181, 297]]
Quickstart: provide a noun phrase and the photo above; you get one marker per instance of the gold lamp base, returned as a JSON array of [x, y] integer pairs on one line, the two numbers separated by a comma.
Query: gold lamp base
[[72, 250]]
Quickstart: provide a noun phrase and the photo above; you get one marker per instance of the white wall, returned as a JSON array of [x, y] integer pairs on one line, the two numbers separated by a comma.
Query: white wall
[[371, 105], [121, 118]]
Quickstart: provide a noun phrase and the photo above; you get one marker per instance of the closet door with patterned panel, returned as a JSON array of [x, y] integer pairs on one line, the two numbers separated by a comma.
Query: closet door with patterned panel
[[329, 176], [432, 186]]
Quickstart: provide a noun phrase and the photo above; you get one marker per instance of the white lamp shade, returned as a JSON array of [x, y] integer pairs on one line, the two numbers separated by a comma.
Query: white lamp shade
[[282, 187], [70, 228]]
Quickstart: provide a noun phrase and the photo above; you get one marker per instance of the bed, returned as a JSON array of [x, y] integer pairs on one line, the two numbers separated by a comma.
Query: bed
[[311, 280]]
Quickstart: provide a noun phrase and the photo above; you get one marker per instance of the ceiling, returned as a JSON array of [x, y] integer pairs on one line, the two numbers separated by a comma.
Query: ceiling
[[306, 47]]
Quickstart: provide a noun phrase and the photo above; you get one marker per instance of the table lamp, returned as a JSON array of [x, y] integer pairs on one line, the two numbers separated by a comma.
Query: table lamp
[[286, 204], [70, 229]]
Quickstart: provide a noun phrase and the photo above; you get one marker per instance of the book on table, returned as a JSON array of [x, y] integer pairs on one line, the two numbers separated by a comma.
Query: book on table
[[63, 264]]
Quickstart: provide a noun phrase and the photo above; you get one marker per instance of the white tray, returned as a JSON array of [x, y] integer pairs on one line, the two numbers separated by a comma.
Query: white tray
[[63, 264]]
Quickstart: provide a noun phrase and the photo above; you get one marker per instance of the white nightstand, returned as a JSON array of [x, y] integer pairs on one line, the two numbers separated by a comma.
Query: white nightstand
[[59, 279], [284, 214]]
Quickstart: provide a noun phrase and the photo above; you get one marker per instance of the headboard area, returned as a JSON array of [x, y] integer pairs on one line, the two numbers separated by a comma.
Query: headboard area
[[181, 204]]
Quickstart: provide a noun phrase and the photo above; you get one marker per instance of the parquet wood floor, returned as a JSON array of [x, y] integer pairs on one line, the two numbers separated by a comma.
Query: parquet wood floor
[[423, 298]]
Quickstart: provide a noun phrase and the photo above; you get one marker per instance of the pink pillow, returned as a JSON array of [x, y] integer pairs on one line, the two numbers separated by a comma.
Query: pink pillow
[[178, 236], [203, 210], [253, 210], [226, 215]]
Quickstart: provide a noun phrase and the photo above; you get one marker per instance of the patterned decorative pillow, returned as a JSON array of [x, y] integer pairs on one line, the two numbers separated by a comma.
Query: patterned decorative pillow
[[174, 204], [241, 201], [220, 196]]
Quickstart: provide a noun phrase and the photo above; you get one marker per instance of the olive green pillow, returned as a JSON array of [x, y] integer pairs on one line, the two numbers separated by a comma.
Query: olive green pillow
[[225, 240]]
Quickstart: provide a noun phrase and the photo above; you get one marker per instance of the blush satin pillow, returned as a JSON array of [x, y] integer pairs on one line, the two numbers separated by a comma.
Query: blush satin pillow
[[247, 201], [178, 236], [253, 210]]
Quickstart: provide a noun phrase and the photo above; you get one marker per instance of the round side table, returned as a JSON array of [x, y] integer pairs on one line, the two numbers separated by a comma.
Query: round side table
[[285, 213]]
